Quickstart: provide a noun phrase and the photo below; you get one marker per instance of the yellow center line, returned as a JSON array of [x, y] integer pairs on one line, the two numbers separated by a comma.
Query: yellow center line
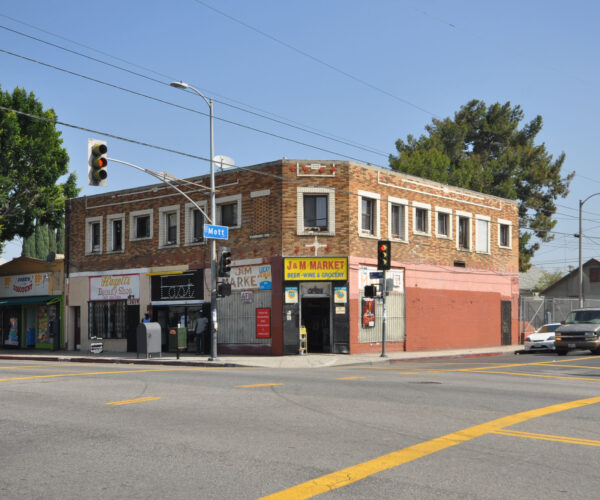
[[548, 437], [540, 375], [358, 472], [131, 401], [256, 385], [350, 378]]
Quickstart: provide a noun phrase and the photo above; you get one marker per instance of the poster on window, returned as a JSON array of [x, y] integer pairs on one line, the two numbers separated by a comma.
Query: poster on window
[[13, 332], [368, 313]]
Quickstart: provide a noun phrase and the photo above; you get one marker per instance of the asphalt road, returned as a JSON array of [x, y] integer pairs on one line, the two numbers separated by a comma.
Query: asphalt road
[[500, 427]]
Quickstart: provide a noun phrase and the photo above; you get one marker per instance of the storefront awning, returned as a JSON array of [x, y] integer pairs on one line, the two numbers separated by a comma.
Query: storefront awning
[[17, 301]]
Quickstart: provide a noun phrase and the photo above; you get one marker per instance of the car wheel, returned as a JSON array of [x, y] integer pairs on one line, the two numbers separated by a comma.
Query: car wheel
[[562, 352], [596, 351]]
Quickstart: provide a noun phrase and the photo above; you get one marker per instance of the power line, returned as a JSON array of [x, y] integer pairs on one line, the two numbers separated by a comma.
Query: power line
[[315, 59], [163, 101], [287, 123]]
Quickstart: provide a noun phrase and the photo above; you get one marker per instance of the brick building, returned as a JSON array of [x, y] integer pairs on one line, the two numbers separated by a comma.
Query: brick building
[[303, 237]]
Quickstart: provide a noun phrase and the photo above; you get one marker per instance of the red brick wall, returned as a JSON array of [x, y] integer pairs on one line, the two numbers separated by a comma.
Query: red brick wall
[[448, 319]]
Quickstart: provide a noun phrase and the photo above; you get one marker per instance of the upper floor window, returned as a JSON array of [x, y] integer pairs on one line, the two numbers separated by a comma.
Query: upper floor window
[[369, 214], [93, 235], [229, 211], [482, 230], [194, 223], [398, 227], [504, 233], [316, 210], [422, 217], [169, 226], [115, 227], [464, 231], [443, 223], [140, 225]]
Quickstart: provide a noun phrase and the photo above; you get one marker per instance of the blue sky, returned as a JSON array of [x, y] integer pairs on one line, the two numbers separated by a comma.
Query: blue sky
[[358, 74]]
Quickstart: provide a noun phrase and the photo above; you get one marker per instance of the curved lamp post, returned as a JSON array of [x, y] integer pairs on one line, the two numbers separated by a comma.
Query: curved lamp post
[[580, 236], [213, 216]]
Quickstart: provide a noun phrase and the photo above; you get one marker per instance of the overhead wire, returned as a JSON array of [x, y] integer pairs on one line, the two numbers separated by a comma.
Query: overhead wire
[[315, 59], [163, 101], [280, 121]]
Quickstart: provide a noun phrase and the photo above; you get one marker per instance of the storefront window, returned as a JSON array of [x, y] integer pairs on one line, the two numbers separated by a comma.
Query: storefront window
[[107, 319]]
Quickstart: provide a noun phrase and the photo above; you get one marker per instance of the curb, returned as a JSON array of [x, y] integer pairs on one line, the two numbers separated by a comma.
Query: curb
[[128, 361]]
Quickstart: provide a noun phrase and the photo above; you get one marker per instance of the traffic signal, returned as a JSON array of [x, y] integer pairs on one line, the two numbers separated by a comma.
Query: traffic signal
[[97, 162], [224, 263], [384, 259], [224, 290], [370, 291]]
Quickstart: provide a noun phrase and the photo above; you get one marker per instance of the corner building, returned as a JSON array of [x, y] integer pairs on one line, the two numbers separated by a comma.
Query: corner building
[[303, 236]]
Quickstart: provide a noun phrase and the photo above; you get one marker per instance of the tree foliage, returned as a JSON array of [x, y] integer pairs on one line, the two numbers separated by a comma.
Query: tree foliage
[[32, 160], [548, 278], [484, 149]]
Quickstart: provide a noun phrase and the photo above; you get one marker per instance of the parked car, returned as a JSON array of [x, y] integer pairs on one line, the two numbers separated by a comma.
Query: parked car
[[581, 330], [542, 338]]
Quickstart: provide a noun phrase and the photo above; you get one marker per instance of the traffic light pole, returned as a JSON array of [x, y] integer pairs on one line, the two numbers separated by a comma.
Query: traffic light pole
[[168, 179], [383, 294]]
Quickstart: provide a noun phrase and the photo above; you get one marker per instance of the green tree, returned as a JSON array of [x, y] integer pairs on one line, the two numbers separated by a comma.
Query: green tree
[[32, 160], [42, 242], [484, 149], [60, 239], [548, 278]]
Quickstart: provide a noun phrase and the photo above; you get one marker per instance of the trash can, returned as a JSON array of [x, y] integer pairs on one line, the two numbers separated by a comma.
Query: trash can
[[177, 339], [149, 339]]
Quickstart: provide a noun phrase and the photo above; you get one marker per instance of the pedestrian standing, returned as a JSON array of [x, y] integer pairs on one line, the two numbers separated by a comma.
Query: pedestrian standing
[[199, 329]]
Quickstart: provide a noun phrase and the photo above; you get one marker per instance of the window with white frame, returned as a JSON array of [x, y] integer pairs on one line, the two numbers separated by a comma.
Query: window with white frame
[[140, 225], [168, 226], [229, 211], [115, 225], [421, 218], [443, 222], [504, 233], [93, 235], [463, 230], [368, 208], [398, 224], [482, 234], [316, 210], [194, 223]]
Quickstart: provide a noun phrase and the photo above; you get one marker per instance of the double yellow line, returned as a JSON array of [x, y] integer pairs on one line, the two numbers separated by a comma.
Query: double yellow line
[[349, 475]]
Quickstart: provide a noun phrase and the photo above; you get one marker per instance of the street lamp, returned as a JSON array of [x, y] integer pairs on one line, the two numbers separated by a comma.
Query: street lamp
[[580, 236], [213, 216]]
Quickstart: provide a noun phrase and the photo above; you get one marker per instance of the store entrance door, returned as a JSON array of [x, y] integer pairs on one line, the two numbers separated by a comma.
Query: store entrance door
[[315, 316]]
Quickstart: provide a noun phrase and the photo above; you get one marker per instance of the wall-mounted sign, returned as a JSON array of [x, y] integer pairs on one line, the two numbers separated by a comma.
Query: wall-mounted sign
[[366, 277], [315, 268], [368, 313], [115, 287], [291, 295], [184, 286], [25, 285], [340, 294], [250, 278], [263, 322]]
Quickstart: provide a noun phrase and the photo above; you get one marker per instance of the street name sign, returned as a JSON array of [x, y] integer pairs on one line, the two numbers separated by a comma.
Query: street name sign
[[216, 232]]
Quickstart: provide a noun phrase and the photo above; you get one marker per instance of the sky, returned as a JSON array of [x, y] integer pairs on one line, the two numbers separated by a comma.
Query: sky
[[315, 80]]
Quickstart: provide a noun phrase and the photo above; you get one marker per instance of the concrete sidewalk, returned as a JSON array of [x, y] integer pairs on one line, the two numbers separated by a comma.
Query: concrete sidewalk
[[289, 361]]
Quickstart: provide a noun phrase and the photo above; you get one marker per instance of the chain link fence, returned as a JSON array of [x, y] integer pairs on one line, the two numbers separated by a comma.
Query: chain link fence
[[537, 311]]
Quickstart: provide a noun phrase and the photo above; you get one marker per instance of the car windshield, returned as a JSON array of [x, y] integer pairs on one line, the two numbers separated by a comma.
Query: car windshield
[[584, 317], [548, 328]]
